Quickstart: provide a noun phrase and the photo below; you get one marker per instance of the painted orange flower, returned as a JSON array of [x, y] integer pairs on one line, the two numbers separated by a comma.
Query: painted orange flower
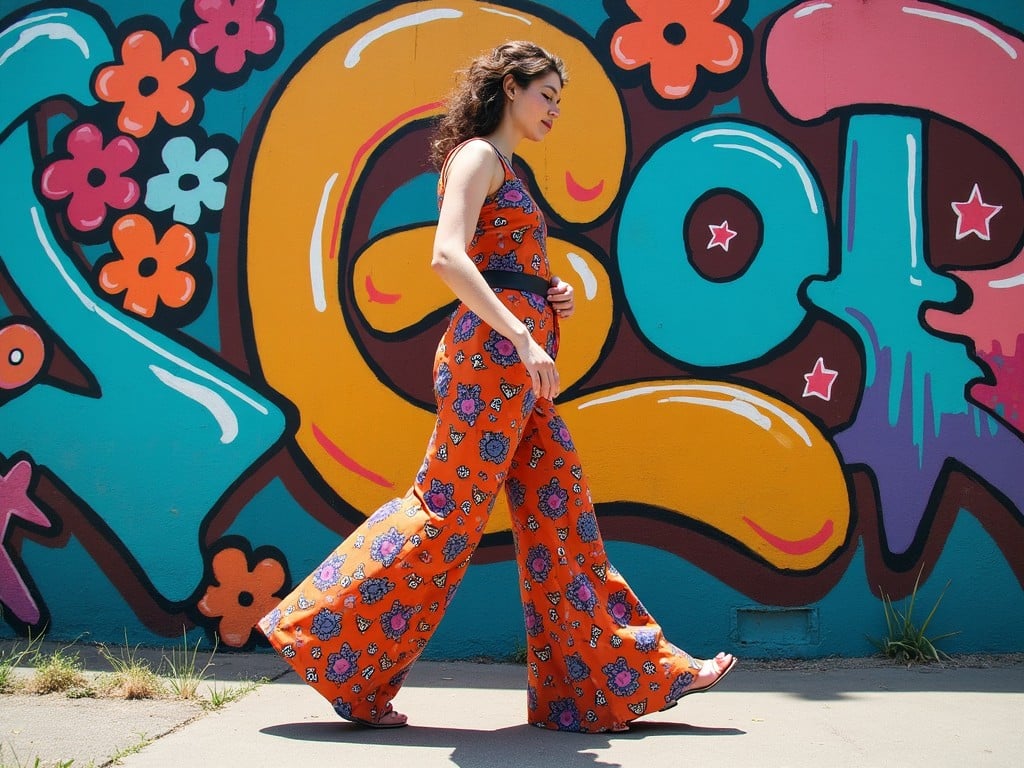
[[147, 270], [148, 84], [239, 595], [675, 39]]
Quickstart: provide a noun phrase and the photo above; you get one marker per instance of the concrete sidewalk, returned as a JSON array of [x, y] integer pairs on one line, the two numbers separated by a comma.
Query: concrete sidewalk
[[817, 713]]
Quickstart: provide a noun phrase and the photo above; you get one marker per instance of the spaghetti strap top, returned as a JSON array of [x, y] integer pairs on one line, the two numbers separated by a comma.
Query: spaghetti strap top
[[511, 234]]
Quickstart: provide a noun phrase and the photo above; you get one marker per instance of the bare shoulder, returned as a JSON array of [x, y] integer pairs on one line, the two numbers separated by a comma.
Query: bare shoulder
[[477, 161]]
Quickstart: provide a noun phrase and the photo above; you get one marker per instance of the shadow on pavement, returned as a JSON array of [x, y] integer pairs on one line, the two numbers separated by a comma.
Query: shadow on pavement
[[522, 745]]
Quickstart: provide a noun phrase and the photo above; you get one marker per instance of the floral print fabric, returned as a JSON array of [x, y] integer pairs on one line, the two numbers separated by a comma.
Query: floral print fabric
[[353, 627]]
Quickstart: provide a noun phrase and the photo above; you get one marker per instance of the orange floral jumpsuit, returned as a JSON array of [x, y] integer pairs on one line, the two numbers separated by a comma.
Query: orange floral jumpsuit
[[353, 628]]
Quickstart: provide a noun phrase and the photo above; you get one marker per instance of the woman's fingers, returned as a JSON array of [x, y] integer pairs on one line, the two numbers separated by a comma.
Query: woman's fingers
[[561, 297]]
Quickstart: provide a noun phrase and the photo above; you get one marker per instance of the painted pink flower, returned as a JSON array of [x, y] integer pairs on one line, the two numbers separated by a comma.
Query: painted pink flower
[[234, 29], [93, 177]]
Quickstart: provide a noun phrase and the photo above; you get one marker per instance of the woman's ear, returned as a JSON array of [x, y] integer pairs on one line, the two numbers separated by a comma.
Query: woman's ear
[[509, 86]]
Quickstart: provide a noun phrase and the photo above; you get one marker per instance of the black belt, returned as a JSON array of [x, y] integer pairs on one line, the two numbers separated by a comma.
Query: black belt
[[516, 281]]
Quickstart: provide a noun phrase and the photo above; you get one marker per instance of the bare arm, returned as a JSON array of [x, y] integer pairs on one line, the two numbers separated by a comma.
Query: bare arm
[[472, 174]]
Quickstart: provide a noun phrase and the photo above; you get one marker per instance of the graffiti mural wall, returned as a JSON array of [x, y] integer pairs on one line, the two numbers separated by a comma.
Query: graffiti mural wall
[[796, 231]]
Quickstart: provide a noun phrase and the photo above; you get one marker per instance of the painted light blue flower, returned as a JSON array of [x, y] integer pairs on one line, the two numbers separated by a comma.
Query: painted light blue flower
[[190, 182]]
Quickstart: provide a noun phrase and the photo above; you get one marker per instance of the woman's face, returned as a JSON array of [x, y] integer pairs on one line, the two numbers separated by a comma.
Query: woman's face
[[534, 108]]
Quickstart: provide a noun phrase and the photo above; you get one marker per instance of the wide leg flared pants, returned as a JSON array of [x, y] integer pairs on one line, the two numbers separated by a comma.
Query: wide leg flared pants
[[354, 627]]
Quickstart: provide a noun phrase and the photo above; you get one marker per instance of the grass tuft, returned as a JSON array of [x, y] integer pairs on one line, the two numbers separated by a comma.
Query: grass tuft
[[57, 672], [185, 673], [132, 677], [905, 641], [17, 656]]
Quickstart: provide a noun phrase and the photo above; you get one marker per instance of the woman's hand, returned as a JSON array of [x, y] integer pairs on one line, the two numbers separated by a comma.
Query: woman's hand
[[561, 298], [542, 370]]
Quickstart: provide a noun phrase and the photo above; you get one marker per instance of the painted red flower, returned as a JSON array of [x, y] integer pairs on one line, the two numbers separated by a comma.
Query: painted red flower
[[234, 29], [239, 595], [675, 39], [148, 84], [147, 270], [93, 177]]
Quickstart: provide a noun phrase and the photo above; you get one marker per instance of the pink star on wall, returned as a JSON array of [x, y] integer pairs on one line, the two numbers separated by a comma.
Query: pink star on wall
[[14, 502], [974, 215], [820, 381], [721, 235]]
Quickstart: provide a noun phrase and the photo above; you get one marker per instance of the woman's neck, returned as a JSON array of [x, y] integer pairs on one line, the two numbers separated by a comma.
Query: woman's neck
[[504, 139]]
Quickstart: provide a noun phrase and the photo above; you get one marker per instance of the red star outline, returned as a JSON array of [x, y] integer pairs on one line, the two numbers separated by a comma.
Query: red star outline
[[721, 235], [974, 215], [820, 381]]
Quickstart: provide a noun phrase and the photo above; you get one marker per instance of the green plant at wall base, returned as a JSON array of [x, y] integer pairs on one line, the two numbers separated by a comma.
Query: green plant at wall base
[[905, 641], [185, 673]]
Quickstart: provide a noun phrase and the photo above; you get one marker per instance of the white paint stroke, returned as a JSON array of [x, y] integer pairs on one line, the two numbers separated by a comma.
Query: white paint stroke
[[218, 407], [412, 20], [316, 248]]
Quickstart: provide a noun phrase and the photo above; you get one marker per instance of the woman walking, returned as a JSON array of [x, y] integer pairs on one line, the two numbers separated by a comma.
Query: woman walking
[[354, 627]]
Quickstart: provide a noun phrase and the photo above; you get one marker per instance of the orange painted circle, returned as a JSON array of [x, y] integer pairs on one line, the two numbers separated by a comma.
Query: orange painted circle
[[22, 354]]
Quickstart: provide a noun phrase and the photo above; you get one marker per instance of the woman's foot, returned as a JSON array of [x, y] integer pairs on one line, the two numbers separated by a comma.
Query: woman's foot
[[712, 671], [386, 719], [391, 719]]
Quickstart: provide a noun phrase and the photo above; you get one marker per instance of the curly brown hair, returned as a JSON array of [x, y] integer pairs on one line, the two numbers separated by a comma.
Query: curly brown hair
[[476, 105]]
